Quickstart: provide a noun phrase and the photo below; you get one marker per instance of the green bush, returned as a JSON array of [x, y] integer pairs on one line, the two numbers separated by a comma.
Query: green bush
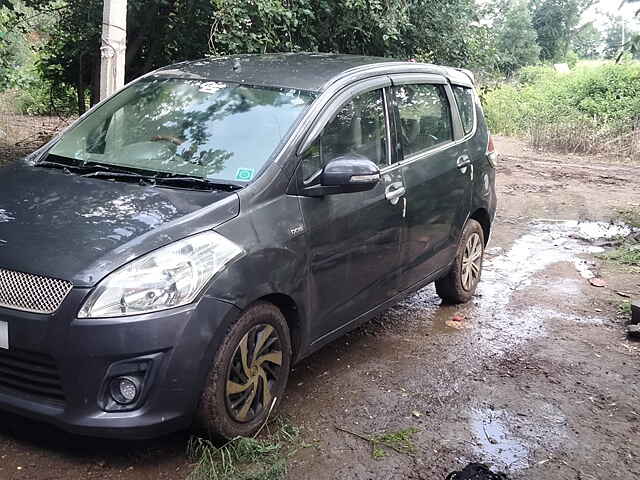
[[580, 111]]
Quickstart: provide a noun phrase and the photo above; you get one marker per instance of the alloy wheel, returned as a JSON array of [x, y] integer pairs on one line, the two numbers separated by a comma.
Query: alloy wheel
[[472, 262], [253, 372]]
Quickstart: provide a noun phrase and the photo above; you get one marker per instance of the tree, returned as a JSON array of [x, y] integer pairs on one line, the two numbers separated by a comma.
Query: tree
[[556, 22], [21, 30], [588, 42], [161, 32], [633, 44], [516, 39]]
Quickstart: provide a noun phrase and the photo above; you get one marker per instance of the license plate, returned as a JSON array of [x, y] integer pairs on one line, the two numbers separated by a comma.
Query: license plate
[[4, 335]]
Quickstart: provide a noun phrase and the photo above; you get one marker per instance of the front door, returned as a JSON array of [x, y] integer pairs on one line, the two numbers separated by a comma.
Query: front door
[[354, 240], [437, 176]]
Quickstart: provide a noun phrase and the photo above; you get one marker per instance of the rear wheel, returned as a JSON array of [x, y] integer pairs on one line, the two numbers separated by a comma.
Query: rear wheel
[[462, 280], [248, 376]]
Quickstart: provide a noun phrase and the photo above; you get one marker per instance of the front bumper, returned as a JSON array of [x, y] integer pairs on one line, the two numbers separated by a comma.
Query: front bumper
[[56, 366]]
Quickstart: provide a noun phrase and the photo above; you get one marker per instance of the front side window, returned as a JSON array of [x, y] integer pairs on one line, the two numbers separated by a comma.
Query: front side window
[[358, 128], [425, 117], [466, 106], [211, 130]]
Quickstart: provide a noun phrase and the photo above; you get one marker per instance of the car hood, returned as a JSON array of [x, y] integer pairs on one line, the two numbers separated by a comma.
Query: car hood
[[80, 229]]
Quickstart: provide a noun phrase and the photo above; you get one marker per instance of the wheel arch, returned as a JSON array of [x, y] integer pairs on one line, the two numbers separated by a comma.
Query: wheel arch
[[289, 309], [481, 215]]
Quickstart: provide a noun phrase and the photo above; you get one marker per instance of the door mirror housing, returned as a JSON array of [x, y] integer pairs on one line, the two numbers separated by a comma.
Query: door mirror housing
[[346, 174]]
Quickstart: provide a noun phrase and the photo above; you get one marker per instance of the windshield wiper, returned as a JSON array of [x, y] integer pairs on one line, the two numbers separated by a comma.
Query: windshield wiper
[[99, 170], [120, 175], [197, 182], [184, 182], [70, 167]]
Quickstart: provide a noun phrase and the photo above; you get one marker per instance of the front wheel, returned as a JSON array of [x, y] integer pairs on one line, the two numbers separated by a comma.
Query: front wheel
[[459, 285], [248, 376]]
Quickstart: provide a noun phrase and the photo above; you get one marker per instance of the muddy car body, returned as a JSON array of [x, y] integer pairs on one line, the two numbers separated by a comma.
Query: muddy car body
[[177, 249]]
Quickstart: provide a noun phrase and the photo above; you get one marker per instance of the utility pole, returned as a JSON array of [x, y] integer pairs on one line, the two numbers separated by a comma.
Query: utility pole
[[113, 48]]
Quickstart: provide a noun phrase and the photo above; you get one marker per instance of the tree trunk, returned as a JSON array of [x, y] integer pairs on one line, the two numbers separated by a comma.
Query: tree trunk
[[95, 82], [80, 93]]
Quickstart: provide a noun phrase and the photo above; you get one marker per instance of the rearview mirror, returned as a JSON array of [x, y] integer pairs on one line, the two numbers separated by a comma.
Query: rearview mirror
[[346, 174]]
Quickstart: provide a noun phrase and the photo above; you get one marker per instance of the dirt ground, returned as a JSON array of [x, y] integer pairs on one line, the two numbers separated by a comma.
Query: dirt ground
[[537, 379]]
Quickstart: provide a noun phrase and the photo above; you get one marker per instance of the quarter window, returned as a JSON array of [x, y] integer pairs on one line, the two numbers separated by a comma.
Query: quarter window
[[358, 128], [466, 106], [425, 117]]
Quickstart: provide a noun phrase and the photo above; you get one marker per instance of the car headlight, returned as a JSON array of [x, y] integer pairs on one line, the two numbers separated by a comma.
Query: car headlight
[[169, 277]]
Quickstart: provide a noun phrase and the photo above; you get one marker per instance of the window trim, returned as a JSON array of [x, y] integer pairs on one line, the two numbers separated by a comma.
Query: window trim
[[413, 79], [333, 106], [458, 140], [451, 118], [474, 95]]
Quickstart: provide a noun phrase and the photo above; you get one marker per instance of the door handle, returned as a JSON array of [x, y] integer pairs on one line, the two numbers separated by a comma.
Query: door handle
[[394, 191], [463, 162]]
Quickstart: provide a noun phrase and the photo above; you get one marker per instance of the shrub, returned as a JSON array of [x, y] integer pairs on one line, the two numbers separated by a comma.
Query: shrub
[[594, 109]]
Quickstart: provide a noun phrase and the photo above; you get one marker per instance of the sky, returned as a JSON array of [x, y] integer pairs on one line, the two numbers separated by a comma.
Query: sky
[[597, 13]]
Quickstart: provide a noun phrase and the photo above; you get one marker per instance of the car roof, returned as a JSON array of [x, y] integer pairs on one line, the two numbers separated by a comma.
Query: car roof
[[302, 71]]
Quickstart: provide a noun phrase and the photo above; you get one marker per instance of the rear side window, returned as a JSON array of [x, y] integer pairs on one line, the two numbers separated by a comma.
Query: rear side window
[[425, 117], [358, 128], [466, 105]]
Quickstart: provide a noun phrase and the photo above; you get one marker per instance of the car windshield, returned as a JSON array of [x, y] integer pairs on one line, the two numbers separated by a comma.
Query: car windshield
[[210, 130]]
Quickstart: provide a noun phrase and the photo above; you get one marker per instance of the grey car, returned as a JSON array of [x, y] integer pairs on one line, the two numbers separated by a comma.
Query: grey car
[[168, 258]]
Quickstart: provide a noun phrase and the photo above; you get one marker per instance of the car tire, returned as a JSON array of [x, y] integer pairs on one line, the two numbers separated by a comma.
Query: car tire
[[459, 285], [234, 402]]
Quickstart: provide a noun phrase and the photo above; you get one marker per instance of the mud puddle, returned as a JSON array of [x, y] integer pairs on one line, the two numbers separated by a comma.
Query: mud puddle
[[496, 442], [496, 317]]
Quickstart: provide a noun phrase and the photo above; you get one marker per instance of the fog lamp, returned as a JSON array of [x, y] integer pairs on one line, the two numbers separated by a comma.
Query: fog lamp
[[125, 390]]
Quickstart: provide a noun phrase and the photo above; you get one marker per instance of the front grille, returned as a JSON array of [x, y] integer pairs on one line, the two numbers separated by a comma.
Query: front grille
[[31, 293], [32, 374]]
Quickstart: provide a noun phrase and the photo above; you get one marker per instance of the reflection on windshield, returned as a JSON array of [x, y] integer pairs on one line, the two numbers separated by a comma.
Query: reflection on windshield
[[204, 129]]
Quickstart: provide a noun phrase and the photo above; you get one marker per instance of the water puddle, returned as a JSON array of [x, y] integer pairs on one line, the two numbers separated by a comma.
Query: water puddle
[[495, 442], [547, 243], [499, 321]]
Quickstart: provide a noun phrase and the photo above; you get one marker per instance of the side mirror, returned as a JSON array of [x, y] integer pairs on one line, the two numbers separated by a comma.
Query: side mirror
[[346, 174]]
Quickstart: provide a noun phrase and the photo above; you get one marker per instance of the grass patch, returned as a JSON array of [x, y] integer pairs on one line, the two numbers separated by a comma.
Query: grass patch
[[625, 308], [400, 441], [244, 458], [628, 254]]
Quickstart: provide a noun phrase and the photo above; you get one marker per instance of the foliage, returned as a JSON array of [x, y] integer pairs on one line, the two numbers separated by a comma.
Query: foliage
[[22, 30], [161, 32], [516, 39], [633, 45], [581, 112], [625, 308], [243, 458], [400, 441], [556, 22], [588, 41], [628, 254], [614, 43]]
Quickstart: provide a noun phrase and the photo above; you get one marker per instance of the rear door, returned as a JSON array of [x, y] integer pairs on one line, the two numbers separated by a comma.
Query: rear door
[[354, 240], [436, 170]]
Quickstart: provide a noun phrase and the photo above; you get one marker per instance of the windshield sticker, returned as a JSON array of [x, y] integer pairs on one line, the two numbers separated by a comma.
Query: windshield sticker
[[244, 174], [212, 87]]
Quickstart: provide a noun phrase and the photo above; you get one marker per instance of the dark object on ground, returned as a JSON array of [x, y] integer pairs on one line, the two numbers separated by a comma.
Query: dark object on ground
[[635, 312], [476, 471], [634, 331]]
